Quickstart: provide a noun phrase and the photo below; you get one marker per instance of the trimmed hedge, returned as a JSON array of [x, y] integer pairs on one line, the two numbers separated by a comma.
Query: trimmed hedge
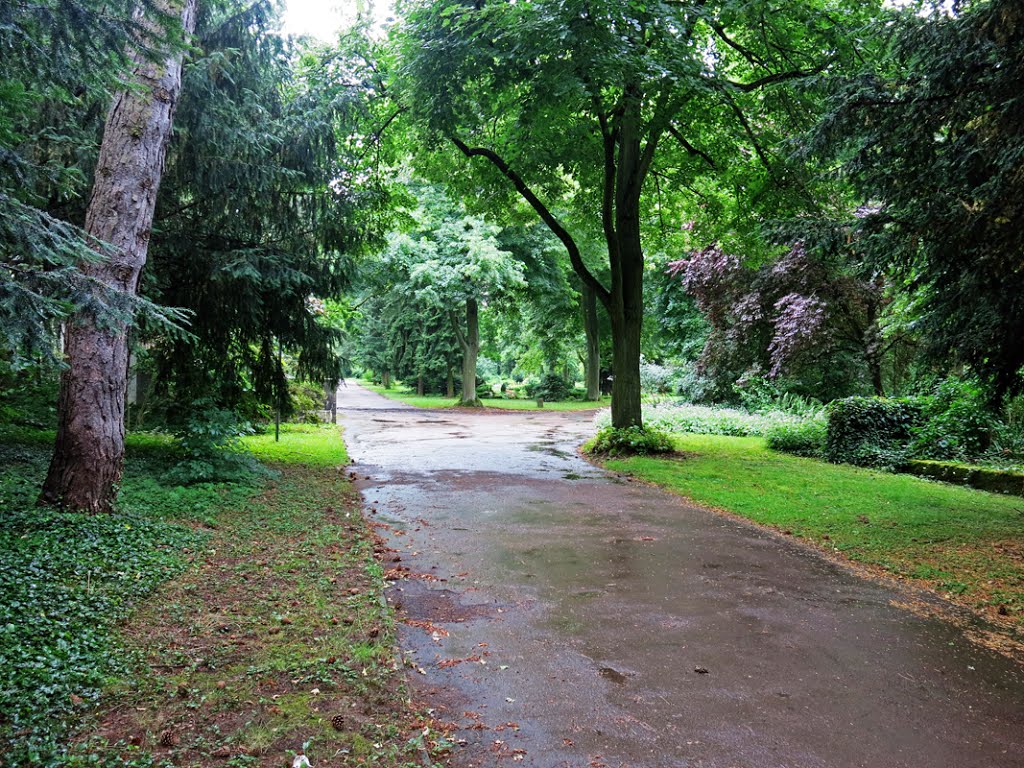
[[982, 478], [871, 431]]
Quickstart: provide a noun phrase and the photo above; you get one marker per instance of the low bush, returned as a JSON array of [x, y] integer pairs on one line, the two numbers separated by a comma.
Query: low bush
[[210, 443], [799, 437], [705, 420], [872, 431], [552, 387], [628, 441], [982, 478], [957, 423], [306, 401]]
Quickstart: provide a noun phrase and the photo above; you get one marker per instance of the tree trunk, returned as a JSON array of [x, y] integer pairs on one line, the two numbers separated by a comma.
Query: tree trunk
[[592, 364], [385, 378], [419, 386], [88, 456], [470, 342], [331, 399], [451, 382], [627, 262]]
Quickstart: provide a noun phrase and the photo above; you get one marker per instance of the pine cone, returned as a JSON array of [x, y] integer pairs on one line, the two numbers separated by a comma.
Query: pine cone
[[168, 738], [338, 722]]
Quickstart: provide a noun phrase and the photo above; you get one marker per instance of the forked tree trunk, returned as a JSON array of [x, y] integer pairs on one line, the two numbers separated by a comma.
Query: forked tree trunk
[[88, 457], [592, 364]]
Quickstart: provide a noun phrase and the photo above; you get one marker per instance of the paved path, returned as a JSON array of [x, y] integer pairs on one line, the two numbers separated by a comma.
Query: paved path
[[582, 609]]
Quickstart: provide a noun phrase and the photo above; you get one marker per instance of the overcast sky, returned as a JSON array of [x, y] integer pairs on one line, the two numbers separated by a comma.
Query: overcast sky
[[323, 18]]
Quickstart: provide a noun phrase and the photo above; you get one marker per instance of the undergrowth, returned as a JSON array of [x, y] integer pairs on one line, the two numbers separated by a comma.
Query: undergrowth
[[66, 580]]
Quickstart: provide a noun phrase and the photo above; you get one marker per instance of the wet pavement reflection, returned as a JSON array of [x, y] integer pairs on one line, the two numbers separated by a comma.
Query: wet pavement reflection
[[564, 616]]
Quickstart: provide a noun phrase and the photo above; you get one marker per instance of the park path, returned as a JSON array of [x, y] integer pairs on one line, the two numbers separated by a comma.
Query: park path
[[590, 621]]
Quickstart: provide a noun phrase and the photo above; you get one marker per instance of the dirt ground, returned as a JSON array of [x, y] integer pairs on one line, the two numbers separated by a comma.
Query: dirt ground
[[558, 615]]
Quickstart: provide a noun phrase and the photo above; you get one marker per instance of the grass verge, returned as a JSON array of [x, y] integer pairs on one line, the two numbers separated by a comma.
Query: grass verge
[[257, 633], [967, 545], [403, 395]]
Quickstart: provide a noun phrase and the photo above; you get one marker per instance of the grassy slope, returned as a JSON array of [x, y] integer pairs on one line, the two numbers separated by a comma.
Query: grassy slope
[[273, 627], [432, 401], [967, 544]]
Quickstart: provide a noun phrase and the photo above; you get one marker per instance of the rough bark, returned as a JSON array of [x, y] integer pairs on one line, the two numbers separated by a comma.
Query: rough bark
[[88, 457], [592, 363]]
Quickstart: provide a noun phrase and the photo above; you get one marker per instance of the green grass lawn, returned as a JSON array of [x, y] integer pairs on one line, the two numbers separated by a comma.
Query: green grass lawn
[[318, 445], [403, 395], [966, 544]]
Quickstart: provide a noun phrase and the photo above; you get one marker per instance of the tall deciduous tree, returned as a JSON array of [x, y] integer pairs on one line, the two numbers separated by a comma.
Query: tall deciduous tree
[[88, 457], [590, 91], [459, 266]]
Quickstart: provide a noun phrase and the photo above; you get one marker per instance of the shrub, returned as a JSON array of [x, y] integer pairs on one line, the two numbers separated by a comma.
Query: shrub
[[706, 420], [211, 448], [871, 431], [307, 400], [957, 423], [610, 441], [552, 387], [800, 437], [654, 379]]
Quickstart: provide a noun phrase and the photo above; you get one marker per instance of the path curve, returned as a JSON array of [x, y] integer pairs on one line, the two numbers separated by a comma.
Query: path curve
[[590, 621]]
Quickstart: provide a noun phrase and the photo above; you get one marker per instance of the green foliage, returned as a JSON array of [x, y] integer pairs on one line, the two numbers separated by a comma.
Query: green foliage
[[933, 138], [552, 387], [306, 400], [61, 61], [710, 420], [66, 580], [28, 396], [261, 216], [211, 446], [801, 438], [872, 431], [983, 478], [956, 422], [629, 441]]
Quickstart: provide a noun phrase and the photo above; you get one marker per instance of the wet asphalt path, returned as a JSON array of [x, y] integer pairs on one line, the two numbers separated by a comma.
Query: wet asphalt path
[[570, 618]]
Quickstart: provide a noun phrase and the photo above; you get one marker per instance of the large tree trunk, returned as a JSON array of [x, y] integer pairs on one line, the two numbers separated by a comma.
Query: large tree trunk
[[385, 379], [470, 343], [88, 457], [592, 364], [624, 178]]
